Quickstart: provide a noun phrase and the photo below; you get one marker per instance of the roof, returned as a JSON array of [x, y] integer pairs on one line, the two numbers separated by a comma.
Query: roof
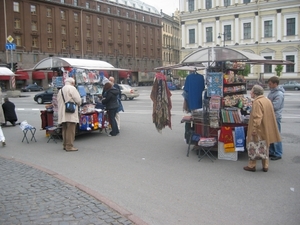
[[6, 72], [181, 67], [138, 5]]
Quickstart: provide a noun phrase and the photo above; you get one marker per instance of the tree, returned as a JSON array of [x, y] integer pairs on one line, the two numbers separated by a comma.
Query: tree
[[278, 70], [246, 71], [182, 73]]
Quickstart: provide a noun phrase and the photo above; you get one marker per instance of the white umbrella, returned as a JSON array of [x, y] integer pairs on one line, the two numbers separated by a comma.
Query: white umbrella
[[6, 72]]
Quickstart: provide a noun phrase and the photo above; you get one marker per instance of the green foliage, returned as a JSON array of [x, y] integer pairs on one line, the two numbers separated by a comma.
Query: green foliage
[[182, 73], [278, 70], [246, 71]]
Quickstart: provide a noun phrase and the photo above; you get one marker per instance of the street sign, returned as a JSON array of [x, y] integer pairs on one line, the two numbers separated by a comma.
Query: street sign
[[10, 46], [10, 39]]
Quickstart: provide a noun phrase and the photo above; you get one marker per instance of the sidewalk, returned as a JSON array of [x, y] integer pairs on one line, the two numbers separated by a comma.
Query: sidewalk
[[31, 196]]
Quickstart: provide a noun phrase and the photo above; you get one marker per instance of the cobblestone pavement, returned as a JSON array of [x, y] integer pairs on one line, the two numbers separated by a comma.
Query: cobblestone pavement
[[30, 196]]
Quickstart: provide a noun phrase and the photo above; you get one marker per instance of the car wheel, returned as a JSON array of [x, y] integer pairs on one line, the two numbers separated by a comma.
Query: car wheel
[[29, 90], [123, 97], [39, 100], [130, 98], [41, 89], [296, 88]]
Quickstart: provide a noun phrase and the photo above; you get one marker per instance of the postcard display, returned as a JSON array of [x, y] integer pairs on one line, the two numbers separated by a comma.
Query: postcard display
[[89, 86]]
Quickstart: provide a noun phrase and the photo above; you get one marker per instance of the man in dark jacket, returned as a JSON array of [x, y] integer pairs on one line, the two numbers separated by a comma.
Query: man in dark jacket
[[112, 80], [9, 112], [111, 103]]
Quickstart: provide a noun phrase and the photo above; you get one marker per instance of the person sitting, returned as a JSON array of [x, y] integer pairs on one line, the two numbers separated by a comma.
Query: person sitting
[[9, 112]]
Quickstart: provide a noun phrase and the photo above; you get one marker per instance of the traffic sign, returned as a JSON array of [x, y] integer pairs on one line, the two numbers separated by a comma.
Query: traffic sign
[[10, 39], [10, 46]]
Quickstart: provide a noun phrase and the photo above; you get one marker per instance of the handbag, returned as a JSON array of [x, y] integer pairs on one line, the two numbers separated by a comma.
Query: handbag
[[257, 149], [70, 106]]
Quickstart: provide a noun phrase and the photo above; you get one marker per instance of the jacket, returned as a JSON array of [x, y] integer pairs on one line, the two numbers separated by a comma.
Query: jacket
[[71, 94], [111, 99], [262, 121], [276, 96], [9, 111]]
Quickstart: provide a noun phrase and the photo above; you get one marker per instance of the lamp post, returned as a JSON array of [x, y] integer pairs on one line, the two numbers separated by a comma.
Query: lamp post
[[224, 35]]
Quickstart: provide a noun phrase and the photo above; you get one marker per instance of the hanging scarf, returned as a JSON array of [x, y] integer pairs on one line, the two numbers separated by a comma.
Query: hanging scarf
[[239, 134], [226, 137]]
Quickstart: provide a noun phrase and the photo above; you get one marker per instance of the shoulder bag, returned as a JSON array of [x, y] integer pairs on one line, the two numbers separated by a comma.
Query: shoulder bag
[[257, 149], [70, 106]]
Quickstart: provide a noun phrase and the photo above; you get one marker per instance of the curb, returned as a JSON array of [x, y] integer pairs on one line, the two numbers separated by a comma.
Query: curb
[[114, 206]]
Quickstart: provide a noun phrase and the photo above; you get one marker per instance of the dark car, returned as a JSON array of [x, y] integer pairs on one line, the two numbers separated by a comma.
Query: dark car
[[32, 87], [291, 85], [45, 96]]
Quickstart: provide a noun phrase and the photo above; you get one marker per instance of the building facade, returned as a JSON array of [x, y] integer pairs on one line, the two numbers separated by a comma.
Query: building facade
[[269, 28], [126, 34]]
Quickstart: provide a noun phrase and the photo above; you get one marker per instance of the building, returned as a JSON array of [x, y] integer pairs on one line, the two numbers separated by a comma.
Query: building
[[125, 33], [269, 28]]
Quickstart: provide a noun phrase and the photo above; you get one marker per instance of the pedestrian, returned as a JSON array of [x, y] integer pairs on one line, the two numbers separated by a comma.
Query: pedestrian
[[118, 119], [2, 120], [262, 124], [9, 112], [66, 119], [276, 96], [110, 101], [128, 79]]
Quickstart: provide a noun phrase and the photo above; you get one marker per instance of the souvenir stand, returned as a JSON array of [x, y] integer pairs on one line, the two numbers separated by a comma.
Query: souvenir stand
[[89, 77]]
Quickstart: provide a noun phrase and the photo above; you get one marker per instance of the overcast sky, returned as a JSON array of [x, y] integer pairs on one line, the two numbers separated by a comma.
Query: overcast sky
[[168, 6]]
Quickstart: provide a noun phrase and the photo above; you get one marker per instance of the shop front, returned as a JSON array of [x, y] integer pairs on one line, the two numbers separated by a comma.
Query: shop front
[[39, 78], [21, 79]]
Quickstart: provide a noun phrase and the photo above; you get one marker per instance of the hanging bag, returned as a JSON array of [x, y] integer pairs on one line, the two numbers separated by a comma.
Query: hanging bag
[[257, 149], [70, 106]]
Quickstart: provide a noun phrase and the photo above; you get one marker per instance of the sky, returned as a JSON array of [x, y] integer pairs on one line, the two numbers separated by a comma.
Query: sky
[[168, 6]]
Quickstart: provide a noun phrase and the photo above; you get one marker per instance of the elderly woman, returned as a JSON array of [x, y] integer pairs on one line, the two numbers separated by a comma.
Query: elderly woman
[[262, 124]]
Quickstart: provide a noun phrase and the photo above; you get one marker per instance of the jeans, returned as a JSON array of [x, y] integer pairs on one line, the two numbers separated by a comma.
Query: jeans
[[276, 148], [112, 117]]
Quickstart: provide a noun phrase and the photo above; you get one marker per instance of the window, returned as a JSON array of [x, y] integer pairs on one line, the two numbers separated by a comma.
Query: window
[[33, 9], [227, 32], [76, 45], [75, 2], [209, 37], [127, 14], [33, 25], [49, 12], [89, 46], [88, 33], [109, 36], [76, 17], [144, 40], [17, 24], [247, 30], [35, 58], [127, 27], [49, 43], [191, 36], [208, 4], [98, 8], [87, 5], [100, 48], [108, 23], [246, 1], [49, 28], [227, 3], [16, 7], [128, 38], [151, 41], [63, 44], [290, 68], [99, 34], [76, 31], [191, 5], [143, 18], [268, 28], [119, 25], [119, 37], [290, 26], [88, 19], [34, 42], [62, 1], [62, 15], [99, 21], [63, 29], [18, 40], [118, 12], [268, 68], [19, 57], [108, 10]]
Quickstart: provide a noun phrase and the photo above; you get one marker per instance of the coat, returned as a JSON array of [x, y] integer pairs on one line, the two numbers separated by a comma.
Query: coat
[[262, 121], [111, 99], [71, 94], [9, 111]]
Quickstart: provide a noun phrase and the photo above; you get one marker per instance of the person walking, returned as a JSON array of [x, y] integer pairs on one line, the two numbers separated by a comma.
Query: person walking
[[68, 120], [262, 124], [110, 101], [2, 121], [9, 112], [276, 96], [118, 119]]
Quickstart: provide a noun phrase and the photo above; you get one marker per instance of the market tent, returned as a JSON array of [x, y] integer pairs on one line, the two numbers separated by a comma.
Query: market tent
[[222, 54], [6, 72], [198, 66], [56, 62]]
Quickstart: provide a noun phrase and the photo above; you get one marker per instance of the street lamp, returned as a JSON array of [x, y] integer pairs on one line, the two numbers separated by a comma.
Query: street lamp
[[224, 35]]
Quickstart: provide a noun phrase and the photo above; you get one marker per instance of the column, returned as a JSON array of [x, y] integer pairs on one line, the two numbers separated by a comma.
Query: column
[[200, 32], [216, 35], [181, 5], [257, 28], [278, 25], [183, 32], [236, 29]]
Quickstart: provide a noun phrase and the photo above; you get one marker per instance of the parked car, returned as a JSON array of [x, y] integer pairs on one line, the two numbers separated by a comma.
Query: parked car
[[171, 86], [128, 92], [32, 87], [45, 96], [291, 85], [250, 84]]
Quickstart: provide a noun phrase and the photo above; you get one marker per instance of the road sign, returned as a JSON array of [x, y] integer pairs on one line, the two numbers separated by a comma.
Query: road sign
[[10, 39], [10, 46]]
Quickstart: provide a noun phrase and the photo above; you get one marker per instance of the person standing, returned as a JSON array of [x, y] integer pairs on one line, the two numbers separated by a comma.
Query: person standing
[[2, 120], [110, 101], [112, 80], [276, 96], [68, 120], [262, 124], [9, 112]]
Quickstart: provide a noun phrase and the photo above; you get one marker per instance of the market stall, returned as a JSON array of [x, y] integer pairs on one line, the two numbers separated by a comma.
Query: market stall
[[89, 76]]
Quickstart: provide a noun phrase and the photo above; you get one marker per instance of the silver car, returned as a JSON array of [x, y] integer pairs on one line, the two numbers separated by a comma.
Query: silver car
[[128, 92], [291, 85]]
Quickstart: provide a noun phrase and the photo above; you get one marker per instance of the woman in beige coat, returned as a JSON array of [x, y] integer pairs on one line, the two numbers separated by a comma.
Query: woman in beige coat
[[262, 124], [2, 121], [68, 120]]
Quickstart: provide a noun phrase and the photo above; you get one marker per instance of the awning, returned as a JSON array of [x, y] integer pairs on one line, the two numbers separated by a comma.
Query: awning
[[50, 75], [5, 71], [180, 67], [38, 75], [2, 77], [23, 75]]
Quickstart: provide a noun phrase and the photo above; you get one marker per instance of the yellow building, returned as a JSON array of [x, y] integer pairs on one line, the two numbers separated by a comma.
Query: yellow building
[[269, 28]]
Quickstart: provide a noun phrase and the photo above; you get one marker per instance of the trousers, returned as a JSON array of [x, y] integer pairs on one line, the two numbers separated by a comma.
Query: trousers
[[276, 148], [68, 134]]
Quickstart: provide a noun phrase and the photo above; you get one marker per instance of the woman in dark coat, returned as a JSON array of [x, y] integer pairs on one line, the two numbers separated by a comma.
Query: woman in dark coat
[[9, 112], [110, 101]]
